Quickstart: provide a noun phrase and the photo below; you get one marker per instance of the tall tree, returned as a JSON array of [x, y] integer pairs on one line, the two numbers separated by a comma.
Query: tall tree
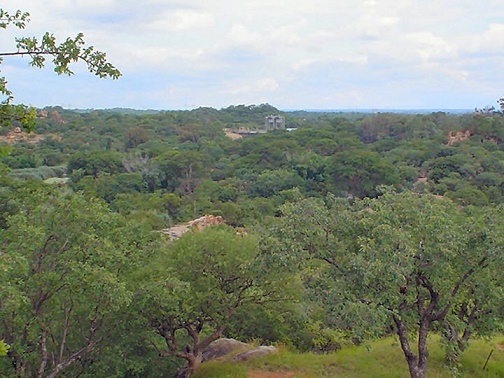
[[189, 293], [407, 261], [62, 260]]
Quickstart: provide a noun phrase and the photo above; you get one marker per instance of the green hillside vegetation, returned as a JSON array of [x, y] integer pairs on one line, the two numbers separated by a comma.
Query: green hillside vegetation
[[341, 231], [359, 244], [376, 359]]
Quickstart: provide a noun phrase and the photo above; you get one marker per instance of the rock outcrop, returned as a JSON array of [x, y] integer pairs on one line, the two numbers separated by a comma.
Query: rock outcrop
[[199, 224], [234, 350], [222, 347], [17, 135], [460, 136], [205, 221], [231, 350], [262, 350]]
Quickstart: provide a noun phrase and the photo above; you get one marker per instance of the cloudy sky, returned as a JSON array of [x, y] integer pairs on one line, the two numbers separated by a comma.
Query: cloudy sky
[[293, 54]]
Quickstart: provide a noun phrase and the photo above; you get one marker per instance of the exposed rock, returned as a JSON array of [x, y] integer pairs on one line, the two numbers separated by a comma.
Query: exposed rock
[[205, 221], [42, 114], [493, 139], [231, 350], [236, 350], [55, 116], [177, 231], [17, 135], [199, 224], [460, 136], [262, 350], [222, 347]]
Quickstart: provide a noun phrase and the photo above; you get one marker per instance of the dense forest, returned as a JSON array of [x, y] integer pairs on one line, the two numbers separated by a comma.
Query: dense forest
[[340, 228]]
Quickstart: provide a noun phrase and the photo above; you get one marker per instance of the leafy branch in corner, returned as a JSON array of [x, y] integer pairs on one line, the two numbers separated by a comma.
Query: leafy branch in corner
[[63, 55]]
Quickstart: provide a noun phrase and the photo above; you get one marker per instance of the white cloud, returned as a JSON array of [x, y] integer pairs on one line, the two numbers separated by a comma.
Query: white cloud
[[293, 52], [181, 20], [429, 46], [240, 35], [490, 41], [261, 85]]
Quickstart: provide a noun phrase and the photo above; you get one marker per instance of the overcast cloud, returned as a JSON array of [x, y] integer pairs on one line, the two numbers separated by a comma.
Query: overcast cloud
[[296, 54]]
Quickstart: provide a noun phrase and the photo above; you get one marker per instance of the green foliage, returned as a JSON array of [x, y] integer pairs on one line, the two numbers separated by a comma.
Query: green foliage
[[190, 169], [327, 340], [240, 114], [179, 169], [347, 167], [359, 172], [62, 273], [19, 19], [40, 173], [71, 50], [15, 114], [92, 163], [273, 182], [191, 290], [135, 137], [401, 260], [272, 323], [4, 348]]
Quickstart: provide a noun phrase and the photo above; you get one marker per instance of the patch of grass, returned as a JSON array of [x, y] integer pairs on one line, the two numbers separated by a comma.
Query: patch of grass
[[384, 358], [475, 356], [221, 370]]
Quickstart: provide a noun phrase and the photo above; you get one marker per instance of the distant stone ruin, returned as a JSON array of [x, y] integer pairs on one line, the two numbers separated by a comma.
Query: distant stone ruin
[[274, 122]]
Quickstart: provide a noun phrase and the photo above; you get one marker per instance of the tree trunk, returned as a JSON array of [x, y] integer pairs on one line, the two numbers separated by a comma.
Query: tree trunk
[[417, 365], [193, 362], [417, 372], [423, 353]]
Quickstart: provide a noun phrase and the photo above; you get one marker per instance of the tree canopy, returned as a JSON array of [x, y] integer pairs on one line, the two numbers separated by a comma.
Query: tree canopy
[[206, 277], [404, 260]]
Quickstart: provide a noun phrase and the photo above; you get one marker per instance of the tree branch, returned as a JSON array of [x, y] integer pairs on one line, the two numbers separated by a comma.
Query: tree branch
[[22, 53], [70, 360], [457, 287], [403, 338], [43, 354], [208, 340]]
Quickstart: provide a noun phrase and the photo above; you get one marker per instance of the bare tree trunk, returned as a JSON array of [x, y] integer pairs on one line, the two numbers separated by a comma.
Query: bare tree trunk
[[417, 365]]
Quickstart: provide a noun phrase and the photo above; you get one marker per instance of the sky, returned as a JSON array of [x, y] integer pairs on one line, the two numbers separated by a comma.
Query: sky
[[292, 54]]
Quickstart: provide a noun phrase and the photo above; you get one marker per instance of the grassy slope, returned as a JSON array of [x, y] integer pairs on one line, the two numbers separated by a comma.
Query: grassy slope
[[379, 359]]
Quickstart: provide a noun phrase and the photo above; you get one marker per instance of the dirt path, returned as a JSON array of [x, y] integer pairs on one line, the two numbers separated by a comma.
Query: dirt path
[[271, 374]]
